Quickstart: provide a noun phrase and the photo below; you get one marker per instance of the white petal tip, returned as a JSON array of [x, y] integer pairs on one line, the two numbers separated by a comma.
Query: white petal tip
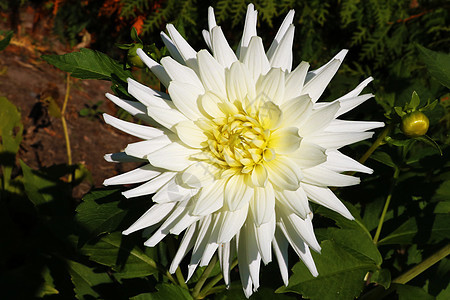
[[127, 232]]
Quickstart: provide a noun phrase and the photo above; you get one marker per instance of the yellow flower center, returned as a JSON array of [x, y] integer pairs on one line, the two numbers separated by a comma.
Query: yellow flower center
[[239, 142]]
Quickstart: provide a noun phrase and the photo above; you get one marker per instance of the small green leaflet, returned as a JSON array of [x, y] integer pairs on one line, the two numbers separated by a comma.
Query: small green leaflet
[[438, 64]]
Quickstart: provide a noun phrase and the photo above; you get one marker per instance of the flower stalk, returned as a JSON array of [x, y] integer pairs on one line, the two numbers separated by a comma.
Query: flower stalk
[[204, 277], [64, 124]]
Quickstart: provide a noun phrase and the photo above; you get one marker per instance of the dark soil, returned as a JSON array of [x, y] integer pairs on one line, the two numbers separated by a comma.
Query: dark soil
[[26, 80]]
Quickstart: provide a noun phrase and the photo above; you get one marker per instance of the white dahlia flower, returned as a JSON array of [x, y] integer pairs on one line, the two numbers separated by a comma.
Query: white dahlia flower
[[237, 148]]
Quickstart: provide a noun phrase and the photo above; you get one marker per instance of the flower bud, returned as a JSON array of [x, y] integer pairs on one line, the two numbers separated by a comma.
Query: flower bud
[[133, 58], [415, 124]]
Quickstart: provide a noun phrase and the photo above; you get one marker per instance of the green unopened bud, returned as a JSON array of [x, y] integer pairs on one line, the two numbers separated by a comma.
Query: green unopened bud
[[133, 58], [415, 124]]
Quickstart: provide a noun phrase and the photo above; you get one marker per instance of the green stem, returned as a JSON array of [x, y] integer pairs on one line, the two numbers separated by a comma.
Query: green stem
[[64, 124], [213, 290], [424, 265], [386, 206], [378, 142], [178, 273], [207, 290], [201, 281]]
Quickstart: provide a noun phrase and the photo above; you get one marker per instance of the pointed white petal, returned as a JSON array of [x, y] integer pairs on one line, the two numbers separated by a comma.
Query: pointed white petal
[[293, 202], [172, 192], [282, 57], [285, 140], [150, 187], [322, 176], [221, 49], [143, 148], [280, 248], [340, 56], [332, 140], [339, 162], [263, 204], [296, 111], [239, 83], [264, 236], [352, 126], [121, 157], [302, 228], [211, 19], [148, 96], [140, 174], [209, 199], [281, 32], [237, 192], [295, 81], [154, 215], [255, 58], [319, 119], [249, 30], [225, 259], [172, 157], [207, 38], [208, 253], [186, 98], [181, 73], [324, 196], [166, 117], [355, 92], [135, 108], [284, 174], [188, 54], [191, 134], [199, 174], [309, 155], [212, 73], [140, 131], [271, 86], [172, 48], [348, 104], [230, 222], [185, 246], [155, 67], [211, 104]]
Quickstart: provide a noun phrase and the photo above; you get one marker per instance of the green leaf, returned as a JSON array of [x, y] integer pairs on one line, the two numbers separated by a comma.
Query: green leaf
[[415, 101], [99, 213], [382, 277], [5, 42], [10, 137], [89, 64], [341, 274], [112, 251], [84, 279], [383, 158], [408, 292], [166, 292], [438, 64], [48, 287], [404, 234]]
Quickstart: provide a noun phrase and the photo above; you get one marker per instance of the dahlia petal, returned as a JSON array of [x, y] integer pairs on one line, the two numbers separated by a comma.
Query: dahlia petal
[[296, 111], [209, 199], [199, 174], [271, 86], [140, 131], [154, 215], [285, 140], [211, 103], [317, 85], [259, 176], [340, 56], [249, 30], [185, 97], [143, 148], [270, 115], [284, 173], [208, 253], [184, 221], [185, 246], [352, 126], [135, 108], [263, 204], [302, 228], [255, 58], [212, 73], [319, 119], [301, 248], [264, 236], [211, 19], [322, 176], [293, 201], [221, 49], [155, 67], [332, 140], [282, 57], [309, 155], [187, 52], [166, 117], [230, 222], [281, 32], [121, 157], [191, 134], [347, 104], [237, 192], [149, 187], [140, 174], [295, 81], [148, 96], [173, 157], [249, 260], [280, 247], [172, 48], [181, 73], [204, 232], [339, 162], [239, 83], [325, 197], [356, 91], [172, 192], [207, 38], [225, 256]]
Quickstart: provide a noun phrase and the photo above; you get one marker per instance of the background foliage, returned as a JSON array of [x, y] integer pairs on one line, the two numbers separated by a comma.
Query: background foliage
[[60, 247]]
